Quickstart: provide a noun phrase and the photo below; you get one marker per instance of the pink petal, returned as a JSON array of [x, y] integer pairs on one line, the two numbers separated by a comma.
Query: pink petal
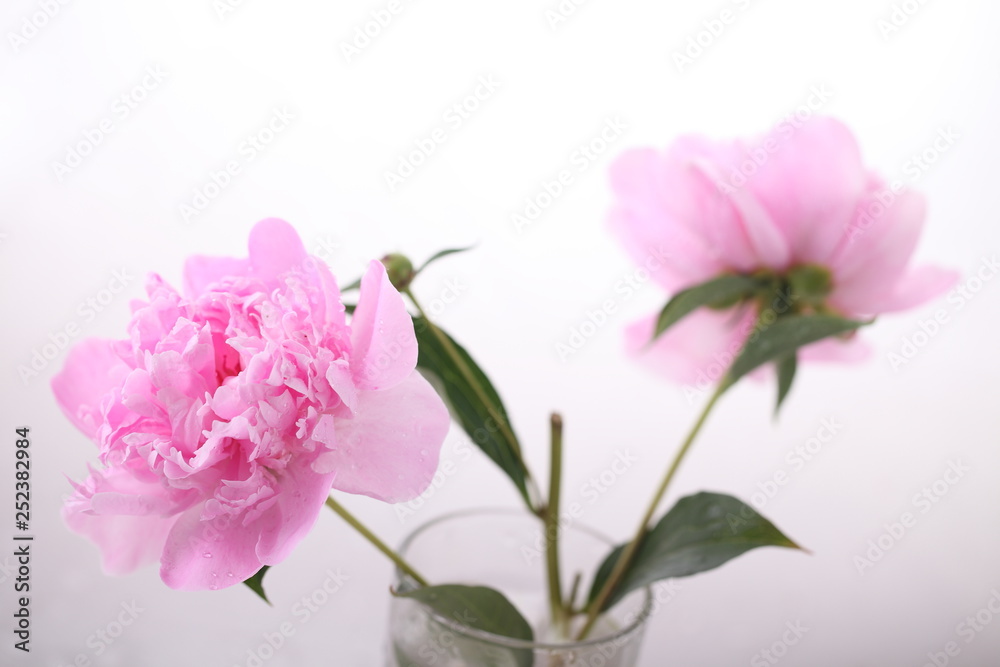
[[299, 504], [698, 350], [201, 272], [810, 181], [919, 286], [853, 350], [127, 519], [873, 257], [92, 372], [741, 230], [389, 450], [769, 243], [382, 337], [207, 555], [660, 201], [275, 248]]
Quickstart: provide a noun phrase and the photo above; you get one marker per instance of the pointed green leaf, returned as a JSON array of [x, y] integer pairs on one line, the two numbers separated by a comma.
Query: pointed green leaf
[[443, 253], [722, 291], [468, 410], [256, 583], [786, 374], [480, 608], [785, 336], [699, 533]]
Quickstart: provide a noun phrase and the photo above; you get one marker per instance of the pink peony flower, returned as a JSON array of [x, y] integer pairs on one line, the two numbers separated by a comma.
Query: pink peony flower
[[229, 412], [794, 198]]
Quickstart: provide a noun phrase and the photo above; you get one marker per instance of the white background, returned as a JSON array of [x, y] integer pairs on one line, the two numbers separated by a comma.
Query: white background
[[520, 293]]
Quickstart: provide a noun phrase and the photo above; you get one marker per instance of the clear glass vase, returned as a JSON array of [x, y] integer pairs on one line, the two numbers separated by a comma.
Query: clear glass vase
[[504, 549]]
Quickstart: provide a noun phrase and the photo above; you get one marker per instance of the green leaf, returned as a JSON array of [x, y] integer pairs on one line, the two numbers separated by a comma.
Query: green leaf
[[443, 253], [699, 533], [256, 583], [353, 286], [784, 337], [468, 410], [480, 608], [786, 374], [719, 292]]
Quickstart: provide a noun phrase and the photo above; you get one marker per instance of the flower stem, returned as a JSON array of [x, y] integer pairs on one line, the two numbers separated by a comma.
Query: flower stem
[[552, 524], [379, 544], [534, 503], [628, 555]]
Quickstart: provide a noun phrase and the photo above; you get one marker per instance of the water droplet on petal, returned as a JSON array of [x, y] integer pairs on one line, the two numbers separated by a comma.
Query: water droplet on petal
[[207, 555], [423, 452], [214, 587], [229, 574]]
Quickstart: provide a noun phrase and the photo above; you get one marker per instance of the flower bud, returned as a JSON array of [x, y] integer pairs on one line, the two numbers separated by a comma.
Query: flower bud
[[400, 270]]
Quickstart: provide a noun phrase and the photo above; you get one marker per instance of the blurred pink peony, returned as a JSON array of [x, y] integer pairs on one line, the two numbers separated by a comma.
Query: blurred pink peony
[[228, 413], [798, 197]]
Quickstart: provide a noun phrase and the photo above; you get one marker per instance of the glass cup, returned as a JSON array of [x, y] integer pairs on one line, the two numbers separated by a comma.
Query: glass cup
[[505, 550]]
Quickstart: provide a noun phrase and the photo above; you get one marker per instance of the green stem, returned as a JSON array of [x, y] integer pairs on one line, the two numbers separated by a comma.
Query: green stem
[[552, 524], [628, 555], [574, 590], [533, 503], [379, 544]]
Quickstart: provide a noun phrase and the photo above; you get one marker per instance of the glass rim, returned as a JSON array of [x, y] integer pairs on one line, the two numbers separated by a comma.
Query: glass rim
[[509, 642]]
